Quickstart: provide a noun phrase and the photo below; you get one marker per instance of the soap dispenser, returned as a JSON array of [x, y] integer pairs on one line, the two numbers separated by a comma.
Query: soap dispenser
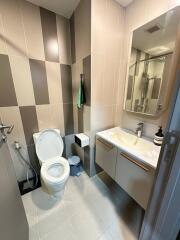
[[158, 137]]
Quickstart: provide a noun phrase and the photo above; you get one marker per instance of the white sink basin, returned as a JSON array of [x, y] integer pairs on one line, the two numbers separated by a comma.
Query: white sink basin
[[132, 141], [142, 148]]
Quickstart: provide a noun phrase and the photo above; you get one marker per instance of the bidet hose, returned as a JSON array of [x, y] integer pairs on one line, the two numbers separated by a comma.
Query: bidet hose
[[30, 167]]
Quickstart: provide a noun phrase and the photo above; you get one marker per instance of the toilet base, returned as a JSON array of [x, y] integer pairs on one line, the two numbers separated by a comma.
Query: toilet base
[[57, 195]]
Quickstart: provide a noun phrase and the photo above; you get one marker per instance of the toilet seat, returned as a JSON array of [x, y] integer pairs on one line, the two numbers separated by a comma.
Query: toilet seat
[[49, 145], [54, 162]]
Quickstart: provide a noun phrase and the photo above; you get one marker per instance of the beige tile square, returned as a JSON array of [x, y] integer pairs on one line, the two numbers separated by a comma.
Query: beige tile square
[[63, 32], [57, 117], [50, 116], [98, 27], [103, 118], [54, 82], [32, 27], [97, 74], [110, 75], [3, 47], [44, 116], [11, 116], [83, 29], [22, 80], [13, 26]]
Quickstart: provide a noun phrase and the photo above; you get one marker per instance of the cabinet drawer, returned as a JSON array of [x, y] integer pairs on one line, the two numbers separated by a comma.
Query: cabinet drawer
[[134, 177], [106, 155]]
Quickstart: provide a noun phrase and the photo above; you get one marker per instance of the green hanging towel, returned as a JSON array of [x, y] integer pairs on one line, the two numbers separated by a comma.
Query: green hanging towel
[[81, 94]]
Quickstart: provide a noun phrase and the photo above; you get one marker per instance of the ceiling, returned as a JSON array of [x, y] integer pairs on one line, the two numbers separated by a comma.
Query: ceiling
[[161, 41], [66, 7], [124, 3], [62, 7]]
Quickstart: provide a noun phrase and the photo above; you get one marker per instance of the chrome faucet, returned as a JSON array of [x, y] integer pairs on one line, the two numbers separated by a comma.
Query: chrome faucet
[[2, 130], [139, 129]]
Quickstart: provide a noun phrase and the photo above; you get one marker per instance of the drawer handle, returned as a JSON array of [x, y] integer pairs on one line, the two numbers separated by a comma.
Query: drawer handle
[[134, 161], [105, 143]]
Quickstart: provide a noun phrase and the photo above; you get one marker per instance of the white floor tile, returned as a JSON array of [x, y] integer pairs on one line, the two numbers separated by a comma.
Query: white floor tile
[[86, 212]]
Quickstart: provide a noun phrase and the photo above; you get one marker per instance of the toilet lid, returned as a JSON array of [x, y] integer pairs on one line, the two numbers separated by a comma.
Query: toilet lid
[[49, 145]]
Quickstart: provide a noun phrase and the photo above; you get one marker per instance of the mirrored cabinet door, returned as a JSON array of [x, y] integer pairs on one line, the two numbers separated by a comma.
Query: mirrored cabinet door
[[149, 77]]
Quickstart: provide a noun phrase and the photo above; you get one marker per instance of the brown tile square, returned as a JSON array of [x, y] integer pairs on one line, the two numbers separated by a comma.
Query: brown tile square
[[73, 46], [68, 119], [7, 90], [33, 158], [39, 80], [87, 79], [30, 122], [66, 83], [49, 30]]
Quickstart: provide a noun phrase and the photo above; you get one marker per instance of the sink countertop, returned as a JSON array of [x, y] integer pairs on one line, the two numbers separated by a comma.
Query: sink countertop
[[143, 149]]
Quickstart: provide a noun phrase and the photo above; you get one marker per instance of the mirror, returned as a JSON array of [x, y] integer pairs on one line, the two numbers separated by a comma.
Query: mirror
[[148, 77]]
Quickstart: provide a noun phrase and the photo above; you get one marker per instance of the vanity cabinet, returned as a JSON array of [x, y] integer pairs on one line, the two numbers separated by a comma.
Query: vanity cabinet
[[106, 156], [134, 177]]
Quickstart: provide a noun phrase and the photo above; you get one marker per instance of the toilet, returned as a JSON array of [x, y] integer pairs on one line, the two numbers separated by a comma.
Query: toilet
[[54, 168]]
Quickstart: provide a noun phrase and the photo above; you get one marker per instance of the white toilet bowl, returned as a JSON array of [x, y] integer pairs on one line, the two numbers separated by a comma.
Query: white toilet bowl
[[54, 168]]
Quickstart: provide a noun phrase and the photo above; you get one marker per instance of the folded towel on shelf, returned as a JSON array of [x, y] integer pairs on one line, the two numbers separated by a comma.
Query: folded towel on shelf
[[81, 99]]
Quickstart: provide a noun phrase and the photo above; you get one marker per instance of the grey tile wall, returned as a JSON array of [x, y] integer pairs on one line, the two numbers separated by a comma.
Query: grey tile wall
[[30, 122], [72, 31], [7, 90], [66, 83], [49, 31], [39, 80], [87, 79], [68, 119], [33, 157], [80, 120]]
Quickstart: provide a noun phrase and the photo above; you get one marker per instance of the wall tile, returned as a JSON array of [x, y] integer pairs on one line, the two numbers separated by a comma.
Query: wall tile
[[22, 80], [103, 117], [87, 119], [39, 80], [49, 30], [33, 158], [30, 122], [11, 116], [73, 44], [3, 47], [87, 79], [32, 28], [13, 27], [80, 120], [110, 76], [7, 91], [68, 119], [69, 141], [97, 68], [87, 159], [54, 82], [75, 117], [82, 19], [66, 83], [50, 116], [64, 40], [77, 69]]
